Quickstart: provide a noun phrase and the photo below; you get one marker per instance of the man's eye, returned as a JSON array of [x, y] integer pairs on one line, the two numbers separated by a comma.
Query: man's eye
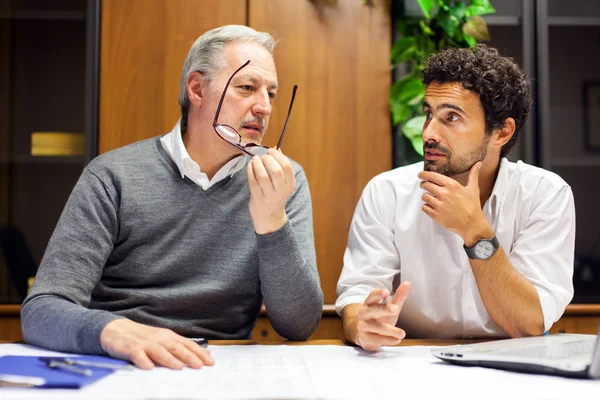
[[248, 88], [428, 114], [272, 96], [452, 117]]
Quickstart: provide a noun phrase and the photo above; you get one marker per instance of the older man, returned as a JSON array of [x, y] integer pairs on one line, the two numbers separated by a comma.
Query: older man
[[184, 235], [484, 246]]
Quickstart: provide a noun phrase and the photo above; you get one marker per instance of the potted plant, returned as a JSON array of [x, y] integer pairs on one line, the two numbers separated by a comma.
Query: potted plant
[[443, 23]]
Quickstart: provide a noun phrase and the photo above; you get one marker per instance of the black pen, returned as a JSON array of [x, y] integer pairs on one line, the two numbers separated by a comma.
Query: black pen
[[201, 341]]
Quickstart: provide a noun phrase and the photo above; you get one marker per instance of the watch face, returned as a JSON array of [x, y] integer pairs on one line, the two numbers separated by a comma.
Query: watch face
[[484, 250]]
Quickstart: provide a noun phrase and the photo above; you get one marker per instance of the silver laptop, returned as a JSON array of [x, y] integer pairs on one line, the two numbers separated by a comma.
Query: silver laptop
[[571, 355]]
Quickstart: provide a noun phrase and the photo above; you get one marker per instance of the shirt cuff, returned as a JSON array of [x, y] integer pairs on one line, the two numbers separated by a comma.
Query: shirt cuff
[[358, 296], [548, 308]]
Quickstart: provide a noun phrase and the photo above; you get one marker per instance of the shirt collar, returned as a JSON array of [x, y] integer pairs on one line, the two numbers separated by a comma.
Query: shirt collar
[[178, 149], [179, 154], [501, 183]]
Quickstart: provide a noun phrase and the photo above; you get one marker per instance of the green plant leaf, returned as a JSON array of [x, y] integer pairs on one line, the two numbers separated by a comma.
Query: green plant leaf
[[412, 88], [407, 90], [412, 129], [408, 26], [425, 28], [482, 3], [426, 47], [448, 22], [479, 7], [417, 143], [477, 28], [417, 100], [426, 7], [458, 10], [398, 86], [471, 41], [406, 83], [400, 112], [405, 96], [403, 50]]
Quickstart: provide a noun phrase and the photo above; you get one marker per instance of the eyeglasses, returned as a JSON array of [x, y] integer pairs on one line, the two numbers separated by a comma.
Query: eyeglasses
[[233, 137]]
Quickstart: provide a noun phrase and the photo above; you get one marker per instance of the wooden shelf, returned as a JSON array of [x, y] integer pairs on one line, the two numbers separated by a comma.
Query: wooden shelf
[[10, 310], [502, 20], [573, 21], [583, 309], [27, 159], [492, 20], [45, 15], [583, 161]]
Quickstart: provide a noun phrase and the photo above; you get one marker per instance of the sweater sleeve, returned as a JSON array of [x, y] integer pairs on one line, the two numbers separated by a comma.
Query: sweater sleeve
[[288, 269], [55, 314]]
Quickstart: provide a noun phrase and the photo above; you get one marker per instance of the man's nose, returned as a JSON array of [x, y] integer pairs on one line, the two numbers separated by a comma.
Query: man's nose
[[431, 131], [262, 104]]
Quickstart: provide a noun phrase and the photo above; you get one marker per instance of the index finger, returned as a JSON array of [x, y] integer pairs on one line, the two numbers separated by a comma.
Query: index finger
[[252, 181], [401, 294], [200, 352], [434, 177]]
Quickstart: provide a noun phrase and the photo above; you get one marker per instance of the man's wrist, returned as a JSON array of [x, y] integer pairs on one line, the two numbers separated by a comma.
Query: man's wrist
[[350, 322], [264, 227], [111, 329], [477, 231]]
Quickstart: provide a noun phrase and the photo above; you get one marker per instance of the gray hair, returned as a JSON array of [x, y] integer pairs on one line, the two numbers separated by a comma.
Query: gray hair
[[206, 57]]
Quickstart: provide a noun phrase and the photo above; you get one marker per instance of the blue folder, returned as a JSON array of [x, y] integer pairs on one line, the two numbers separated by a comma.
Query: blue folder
[[33, 366]]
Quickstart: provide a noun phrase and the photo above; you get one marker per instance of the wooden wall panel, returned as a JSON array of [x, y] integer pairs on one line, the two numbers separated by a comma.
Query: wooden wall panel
[[338, 55], [143, 46]]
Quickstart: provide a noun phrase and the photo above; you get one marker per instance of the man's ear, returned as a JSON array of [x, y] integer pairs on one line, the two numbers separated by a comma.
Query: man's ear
[[196, 87], [503, 135]]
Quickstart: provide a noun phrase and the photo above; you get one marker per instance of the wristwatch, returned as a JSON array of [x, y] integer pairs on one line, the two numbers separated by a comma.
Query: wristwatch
[[484, 249]]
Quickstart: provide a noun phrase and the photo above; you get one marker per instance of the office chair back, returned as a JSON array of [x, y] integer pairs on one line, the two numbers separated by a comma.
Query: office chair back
[[17, 258]]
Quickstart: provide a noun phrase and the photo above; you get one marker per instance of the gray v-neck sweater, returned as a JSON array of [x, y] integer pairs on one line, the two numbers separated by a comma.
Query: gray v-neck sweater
[[135, 240]]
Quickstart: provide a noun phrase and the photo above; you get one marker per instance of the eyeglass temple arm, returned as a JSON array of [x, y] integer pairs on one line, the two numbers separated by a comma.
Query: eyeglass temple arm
[[225, 91], [288, 117]]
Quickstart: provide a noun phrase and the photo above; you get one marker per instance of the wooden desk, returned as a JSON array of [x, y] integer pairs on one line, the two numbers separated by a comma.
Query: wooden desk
[[578, 318]]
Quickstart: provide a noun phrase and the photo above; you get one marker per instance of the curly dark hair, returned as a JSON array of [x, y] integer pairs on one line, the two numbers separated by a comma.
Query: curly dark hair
[[503, 88]]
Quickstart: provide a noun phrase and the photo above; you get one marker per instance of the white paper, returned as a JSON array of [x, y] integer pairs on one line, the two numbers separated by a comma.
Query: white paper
[[317, 372]]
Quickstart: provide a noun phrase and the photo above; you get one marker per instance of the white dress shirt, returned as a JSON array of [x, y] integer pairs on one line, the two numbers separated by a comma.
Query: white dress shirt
[[173, 144], [391, 240]]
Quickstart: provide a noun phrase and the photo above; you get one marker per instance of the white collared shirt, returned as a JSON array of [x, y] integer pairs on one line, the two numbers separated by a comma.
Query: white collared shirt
[[173, 144], [391, 240]]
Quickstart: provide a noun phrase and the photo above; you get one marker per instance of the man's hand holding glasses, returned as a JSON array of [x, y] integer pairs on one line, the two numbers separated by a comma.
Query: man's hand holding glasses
[[271, 179], [270, 173]]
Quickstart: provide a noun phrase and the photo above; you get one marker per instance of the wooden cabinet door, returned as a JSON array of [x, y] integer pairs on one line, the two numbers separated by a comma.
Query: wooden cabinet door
[[143, 46], [338, 55]]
